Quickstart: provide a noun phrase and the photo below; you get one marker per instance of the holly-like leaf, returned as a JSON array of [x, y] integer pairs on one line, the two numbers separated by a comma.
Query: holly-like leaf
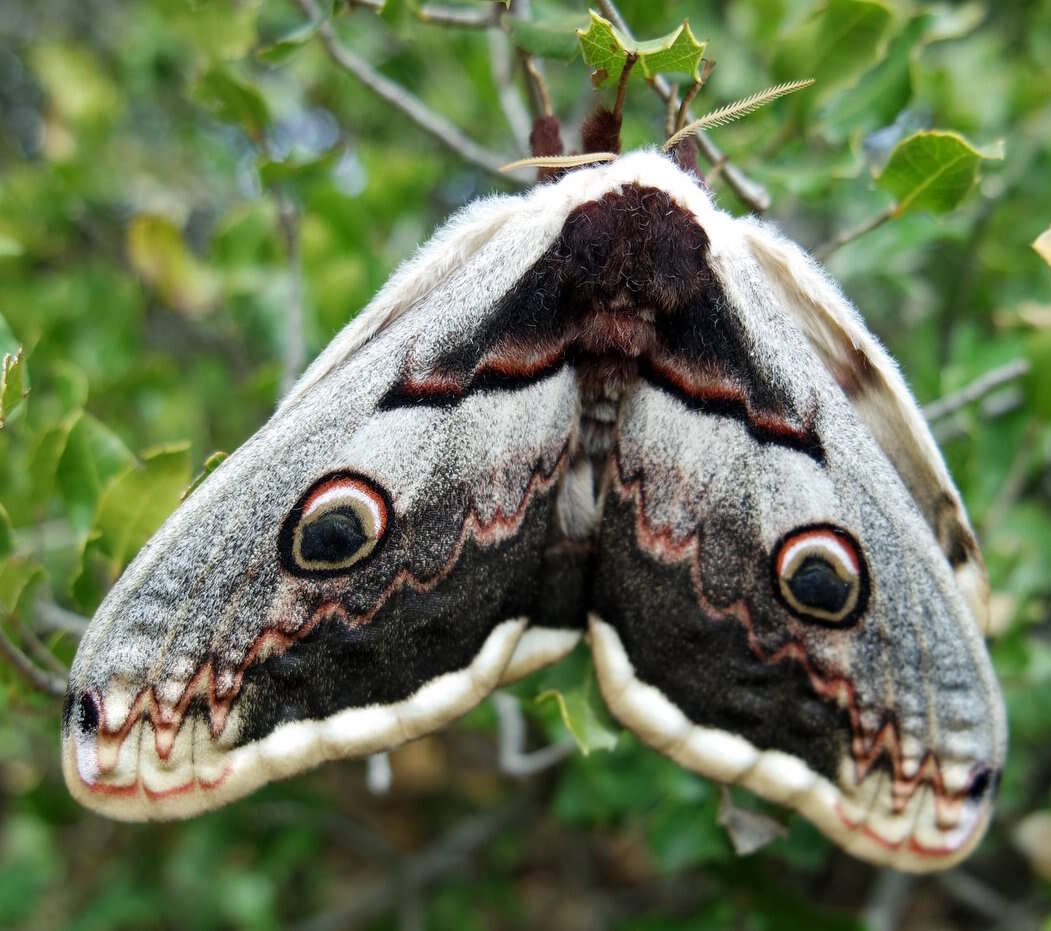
[[606, 49], [584, 715], [1042, 245], [933, 170]]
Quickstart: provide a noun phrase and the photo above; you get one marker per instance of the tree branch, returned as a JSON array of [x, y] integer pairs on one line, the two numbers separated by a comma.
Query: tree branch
[[446, 855], [465, 18], [502, 60], [50, 617], [294, 351], [398, 97], [752, 193], [977, 389], [40, 679], [514, 760], [823, 251]]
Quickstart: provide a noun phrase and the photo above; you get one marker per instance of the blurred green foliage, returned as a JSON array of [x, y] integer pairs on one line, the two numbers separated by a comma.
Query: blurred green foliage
[[152, 157]]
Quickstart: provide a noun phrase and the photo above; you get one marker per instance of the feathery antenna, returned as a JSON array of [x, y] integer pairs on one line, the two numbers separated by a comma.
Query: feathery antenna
[[737, 109]]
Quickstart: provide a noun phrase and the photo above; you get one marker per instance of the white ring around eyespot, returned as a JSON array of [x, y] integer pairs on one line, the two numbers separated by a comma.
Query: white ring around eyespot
[[348, 488], [842, 556], [346, 491], [840, 552]]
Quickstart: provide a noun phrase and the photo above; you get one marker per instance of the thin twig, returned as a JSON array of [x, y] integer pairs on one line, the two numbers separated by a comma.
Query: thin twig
[[378, 775], [986, 901], [42, 654], [826, 249], [977, 389], [669, 111], [514, 760], [398, 97], [622, 83], [688, 97], [537, 85], [502, 63], [40, 679], [887, 900], [50, 617], [294, 350], [445, 856], [465, 18], [752, 193]]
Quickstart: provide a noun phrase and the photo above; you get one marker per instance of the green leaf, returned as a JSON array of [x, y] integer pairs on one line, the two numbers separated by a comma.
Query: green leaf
[[7, 541], [233, 99], [1038, 380], [606, 49], [17, 574], [14, 384], [552, 36], [92, 457], [157, 251], [136, 503], [398, 12], [212, 463], [933, 170], [850, 34], [584, 715], [298, 172], [9, 344], [290, 42], [835, 46]]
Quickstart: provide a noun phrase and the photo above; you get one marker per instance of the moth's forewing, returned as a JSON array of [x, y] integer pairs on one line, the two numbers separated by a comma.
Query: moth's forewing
[[359, 573]]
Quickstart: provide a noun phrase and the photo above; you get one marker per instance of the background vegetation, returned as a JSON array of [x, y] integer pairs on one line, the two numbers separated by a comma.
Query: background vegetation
[[190, 208]]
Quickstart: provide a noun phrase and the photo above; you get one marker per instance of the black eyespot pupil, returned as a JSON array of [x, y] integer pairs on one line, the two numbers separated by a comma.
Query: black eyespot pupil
[[816, 584], [88, 714], [333, 538]]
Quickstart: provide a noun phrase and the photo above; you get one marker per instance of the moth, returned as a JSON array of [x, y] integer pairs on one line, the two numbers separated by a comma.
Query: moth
[[602, 409]]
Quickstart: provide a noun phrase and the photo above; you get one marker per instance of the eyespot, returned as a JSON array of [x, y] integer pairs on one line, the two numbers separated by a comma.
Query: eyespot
[[820, 575], [337, 524]]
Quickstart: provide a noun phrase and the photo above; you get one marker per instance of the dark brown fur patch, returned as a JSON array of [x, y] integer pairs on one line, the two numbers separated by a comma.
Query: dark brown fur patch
[[601, 132], [685, 156], [546, 140], [625, 292]]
